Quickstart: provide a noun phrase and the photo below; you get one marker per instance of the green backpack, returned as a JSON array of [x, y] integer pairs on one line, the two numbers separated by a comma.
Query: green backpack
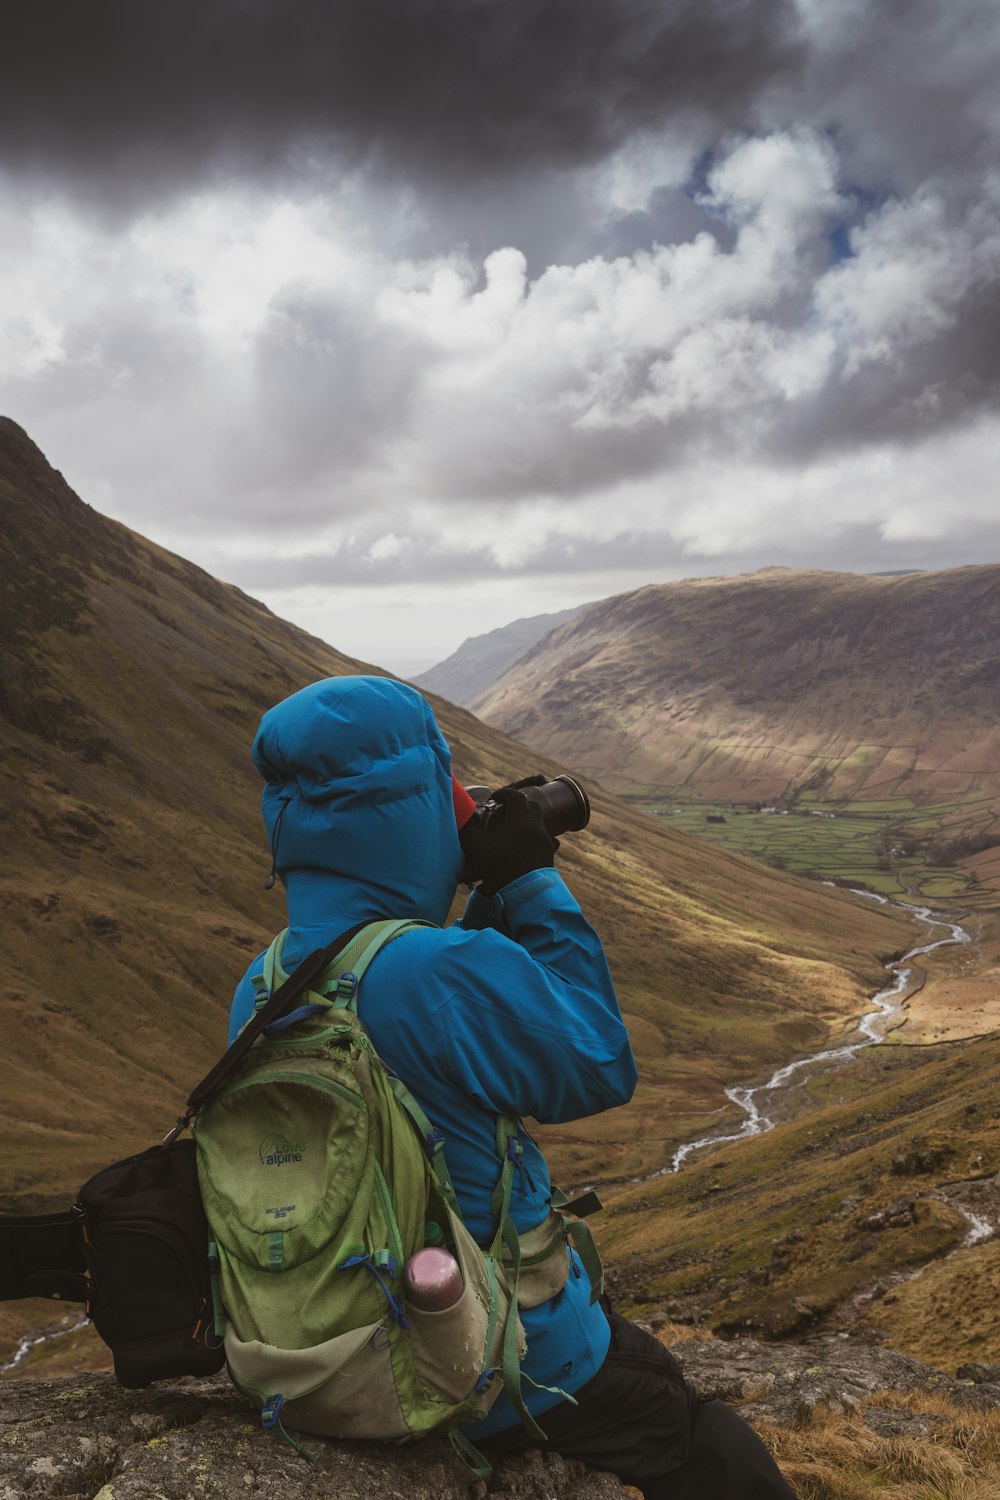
[[320, 1176]]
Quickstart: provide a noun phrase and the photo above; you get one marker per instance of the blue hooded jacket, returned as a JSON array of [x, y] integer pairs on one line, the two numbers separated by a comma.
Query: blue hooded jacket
[[510, 1010]]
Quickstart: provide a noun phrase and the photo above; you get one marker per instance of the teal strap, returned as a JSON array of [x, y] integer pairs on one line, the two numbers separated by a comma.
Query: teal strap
[[300, 1448], [579, 1232], [354, 959], [510, 1367], [359, 953], [274, 974], [214, 1281], [553, 1390], [580, 1207], [494, 1313], [433, 1141], [270, 1420], [583, 1243], [508, 1148], [469, 1454], [506, 1237]]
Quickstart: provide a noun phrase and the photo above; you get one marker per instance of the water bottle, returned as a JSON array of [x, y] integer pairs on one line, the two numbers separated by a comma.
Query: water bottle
[[432, 1279]]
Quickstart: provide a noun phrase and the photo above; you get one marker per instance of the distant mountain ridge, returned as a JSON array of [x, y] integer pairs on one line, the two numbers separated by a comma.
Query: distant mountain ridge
[[764, 685], [471, 670]]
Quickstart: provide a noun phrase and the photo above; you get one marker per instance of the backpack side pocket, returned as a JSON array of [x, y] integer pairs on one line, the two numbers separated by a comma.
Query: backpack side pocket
[[341, 1388], [456, 1349]]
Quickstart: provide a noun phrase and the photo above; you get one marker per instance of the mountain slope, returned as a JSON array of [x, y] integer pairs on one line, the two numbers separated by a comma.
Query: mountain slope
[[752, 686], [134, 862], [475, 666], [875, 691]]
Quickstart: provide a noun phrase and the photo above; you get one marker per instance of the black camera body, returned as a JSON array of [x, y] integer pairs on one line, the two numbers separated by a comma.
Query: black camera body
[[564, 804]]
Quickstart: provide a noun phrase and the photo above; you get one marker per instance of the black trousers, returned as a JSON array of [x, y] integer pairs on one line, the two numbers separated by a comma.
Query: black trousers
[[638, 1418]]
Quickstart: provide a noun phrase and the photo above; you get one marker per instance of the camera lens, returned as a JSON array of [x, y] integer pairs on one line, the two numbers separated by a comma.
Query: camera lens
[[565, 805]]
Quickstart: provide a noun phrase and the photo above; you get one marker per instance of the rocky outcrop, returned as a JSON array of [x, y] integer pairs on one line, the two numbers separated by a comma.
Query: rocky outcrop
[[86, 1438], [785, 1384]]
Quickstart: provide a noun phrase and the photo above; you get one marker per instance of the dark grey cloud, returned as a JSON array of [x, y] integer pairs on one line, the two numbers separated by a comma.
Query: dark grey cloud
[[141, 98], [908, 88], [945, 383]]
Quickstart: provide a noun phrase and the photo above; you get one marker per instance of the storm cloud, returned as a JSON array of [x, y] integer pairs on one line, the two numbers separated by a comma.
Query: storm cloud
[[564, 294], [141, 99]]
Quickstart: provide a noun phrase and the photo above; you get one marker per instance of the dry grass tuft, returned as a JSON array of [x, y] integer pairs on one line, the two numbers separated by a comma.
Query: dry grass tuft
[[838, 1457], [669, 1334]]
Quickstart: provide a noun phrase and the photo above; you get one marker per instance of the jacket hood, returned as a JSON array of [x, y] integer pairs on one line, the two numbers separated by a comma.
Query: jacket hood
[[358, 804]]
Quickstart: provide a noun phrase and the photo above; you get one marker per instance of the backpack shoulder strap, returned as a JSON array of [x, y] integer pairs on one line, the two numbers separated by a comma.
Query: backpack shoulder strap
[[310, 970], [352, 962], [341, 977]]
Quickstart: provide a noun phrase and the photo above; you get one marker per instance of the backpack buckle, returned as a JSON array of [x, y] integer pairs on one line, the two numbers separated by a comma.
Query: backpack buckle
[[347, 986], [270, 1413]]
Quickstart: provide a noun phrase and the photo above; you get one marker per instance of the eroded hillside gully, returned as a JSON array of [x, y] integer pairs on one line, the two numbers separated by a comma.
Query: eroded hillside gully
[[874, 1027]]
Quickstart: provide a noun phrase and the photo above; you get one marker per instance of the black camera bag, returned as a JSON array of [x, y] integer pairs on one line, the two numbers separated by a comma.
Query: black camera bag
[[134, 1246], [133, 1249], [145, 1244]]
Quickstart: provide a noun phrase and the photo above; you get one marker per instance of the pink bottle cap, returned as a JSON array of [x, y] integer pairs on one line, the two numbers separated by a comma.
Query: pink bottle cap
[[432, 1279]]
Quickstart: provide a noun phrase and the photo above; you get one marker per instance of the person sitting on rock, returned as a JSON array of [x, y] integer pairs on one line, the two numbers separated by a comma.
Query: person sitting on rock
[[510, 1010]]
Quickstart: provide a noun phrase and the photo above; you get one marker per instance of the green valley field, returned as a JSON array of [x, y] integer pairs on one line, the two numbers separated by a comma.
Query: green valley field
[[891, 847]]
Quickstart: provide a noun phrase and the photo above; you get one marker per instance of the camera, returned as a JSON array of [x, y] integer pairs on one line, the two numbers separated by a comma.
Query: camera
[[565, 805]]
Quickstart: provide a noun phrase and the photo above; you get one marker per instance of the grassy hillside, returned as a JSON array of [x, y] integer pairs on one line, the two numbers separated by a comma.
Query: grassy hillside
[[134, 857], [867, 697], [853, 1213]]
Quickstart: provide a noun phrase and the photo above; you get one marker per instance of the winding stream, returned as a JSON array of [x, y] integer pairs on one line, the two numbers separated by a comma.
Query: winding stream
[[874, 1026], [32, 1340]]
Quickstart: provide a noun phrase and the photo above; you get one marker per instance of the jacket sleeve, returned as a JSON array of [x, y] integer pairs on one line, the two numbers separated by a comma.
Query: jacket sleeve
[[531, 1023]]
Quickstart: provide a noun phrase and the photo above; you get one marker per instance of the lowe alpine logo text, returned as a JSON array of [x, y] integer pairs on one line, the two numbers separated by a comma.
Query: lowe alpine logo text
[[276, 1151]]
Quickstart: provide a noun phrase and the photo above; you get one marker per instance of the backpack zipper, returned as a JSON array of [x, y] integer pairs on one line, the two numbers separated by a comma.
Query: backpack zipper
[[310, 1080]]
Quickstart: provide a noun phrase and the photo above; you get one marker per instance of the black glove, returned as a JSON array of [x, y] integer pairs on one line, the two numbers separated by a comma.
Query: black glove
[[511, 841]]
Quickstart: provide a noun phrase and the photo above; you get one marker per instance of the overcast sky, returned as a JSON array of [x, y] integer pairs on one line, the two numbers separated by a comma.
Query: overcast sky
[[412, 317]]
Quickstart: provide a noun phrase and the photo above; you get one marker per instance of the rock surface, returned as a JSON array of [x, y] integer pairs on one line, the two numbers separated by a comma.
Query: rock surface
[[86, 1438], [784, 1384]]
